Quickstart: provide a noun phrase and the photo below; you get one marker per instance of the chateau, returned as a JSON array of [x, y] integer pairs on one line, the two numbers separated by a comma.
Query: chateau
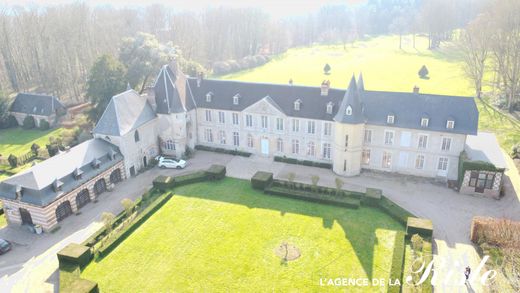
[[352, 129]]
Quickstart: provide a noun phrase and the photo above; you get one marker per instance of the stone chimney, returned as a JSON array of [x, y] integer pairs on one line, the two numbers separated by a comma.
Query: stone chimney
[[325, 85], [200, 77], [415, 89]]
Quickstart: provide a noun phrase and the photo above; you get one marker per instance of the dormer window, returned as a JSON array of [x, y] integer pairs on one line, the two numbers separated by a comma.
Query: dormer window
[[95, 163], [19, 192], [208, 97], [348, 111], [136, 136], [329, 108], [236, 98], [450, 124], [112, 154], [297, 105], [77, 173], [56, 185], [424, 122], [390, 119]]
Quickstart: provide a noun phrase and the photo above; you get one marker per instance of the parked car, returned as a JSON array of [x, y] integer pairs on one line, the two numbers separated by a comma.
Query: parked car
[[171, 163], [5, 246]]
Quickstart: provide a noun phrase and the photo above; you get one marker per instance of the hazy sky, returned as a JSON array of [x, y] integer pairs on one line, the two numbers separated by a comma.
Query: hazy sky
[[274, 7]]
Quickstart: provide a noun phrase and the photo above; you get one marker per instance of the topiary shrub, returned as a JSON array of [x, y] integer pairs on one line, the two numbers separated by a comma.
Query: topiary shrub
[[261, 180], [35, 148], [44, 125], [423, 227], [28, 122], [423, 72], [13, 160], [216, 172]]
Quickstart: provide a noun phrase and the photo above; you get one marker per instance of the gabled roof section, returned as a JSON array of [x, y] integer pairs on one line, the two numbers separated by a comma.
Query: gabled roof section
[[352, 100], [38, 183], [124, 113], [36, 104], [271, 102], [167, 96]]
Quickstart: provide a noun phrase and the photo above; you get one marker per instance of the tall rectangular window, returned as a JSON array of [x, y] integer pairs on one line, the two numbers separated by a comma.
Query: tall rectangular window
[[326, 151], [446, 144], [222, 137], [296, 125], [311, 149], [368, 136], [311, 127], [365, 157], [235, 118], [208, 135], [423, 141], [389, 137], [419, 162], [279, 124], [279, 145], [443, 164], [387, 160], [208, 115], [249, 120], [295, 146], [346, 140], [236, 139], [221, 117], [250, 141], [264, 122], [327, 128]]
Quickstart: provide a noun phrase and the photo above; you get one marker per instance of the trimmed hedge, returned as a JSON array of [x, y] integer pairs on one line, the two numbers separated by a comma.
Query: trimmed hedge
[[261, 180], [140, 219], [190, 178], [317, 189], [372, 197], [223, 151], [75, 254], [162, 182], [216, 172], [336, 200], [302, 162], [396, 271], [81, 286], [395, 211], [423, 227]]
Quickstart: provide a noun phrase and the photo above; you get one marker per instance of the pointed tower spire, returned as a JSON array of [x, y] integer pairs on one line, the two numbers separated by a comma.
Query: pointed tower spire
[[361, 84], [350, 109], [167, 96]]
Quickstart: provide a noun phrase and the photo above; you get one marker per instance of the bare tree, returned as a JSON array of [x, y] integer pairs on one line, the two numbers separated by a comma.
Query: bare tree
[[474, 46]]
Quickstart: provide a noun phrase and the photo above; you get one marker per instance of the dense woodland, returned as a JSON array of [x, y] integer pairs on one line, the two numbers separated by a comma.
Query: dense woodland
[[52, 49]]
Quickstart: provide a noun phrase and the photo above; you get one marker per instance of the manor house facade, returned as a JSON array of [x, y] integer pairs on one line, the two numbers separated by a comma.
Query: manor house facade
[[353, 129]]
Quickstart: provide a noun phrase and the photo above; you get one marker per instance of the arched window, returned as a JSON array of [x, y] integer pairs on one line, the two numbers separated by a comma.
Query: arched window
[[136, 136], [348, 111]]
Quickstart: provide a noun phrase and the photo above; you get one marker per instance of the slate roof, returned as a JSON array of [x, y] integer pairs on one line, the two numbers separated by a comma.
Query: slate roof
[[36, 104], [37, 182], [408, 108], [484, 147], [125, 112], [167, 97], [351, 100]]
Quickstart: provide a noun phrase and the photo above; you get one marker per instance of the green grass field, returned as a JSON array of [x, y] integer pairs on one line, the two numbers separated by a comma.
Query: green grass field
[[221, 237], [18, 141], [385, 67]]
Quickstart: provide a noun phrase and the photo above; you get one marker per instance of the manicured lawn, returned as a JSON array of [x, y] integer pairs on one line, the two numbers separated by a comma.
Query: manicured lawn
[[18, 141], [385, 67], [221, 236]]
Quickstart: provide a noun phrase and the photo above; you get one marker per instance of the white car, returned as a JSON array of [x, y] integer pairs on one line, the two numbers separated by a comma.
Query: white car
[[171, 163]]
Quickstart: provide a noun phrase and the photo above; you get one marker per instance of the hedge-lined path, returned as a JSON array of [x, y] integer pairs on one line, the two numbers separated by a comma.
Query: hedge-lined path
[[450, 212], [31, 266]]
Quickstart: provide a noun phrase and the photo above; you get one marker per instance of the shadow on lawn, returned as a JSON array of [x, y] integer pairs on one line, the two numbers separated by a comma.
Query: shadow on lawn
[[362, 237]]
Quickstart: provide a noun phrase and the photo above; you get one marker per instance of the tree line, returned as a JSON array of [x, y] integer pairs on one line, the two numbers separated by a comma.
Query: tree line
[[51, 49], [491, 44]]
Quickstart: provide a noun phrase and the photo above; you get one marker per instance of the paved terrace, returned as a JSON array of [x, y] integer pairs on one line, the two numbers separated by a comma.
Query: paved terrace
[[32, 265]]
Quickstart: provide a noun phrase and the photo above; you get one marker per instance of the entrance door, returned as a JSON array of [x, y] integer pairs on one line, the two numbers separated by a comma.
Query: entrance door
[[100, 186], [132, 171], [82, 198], [63, 211], [26, 216], [265, 146], [145, 162]]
